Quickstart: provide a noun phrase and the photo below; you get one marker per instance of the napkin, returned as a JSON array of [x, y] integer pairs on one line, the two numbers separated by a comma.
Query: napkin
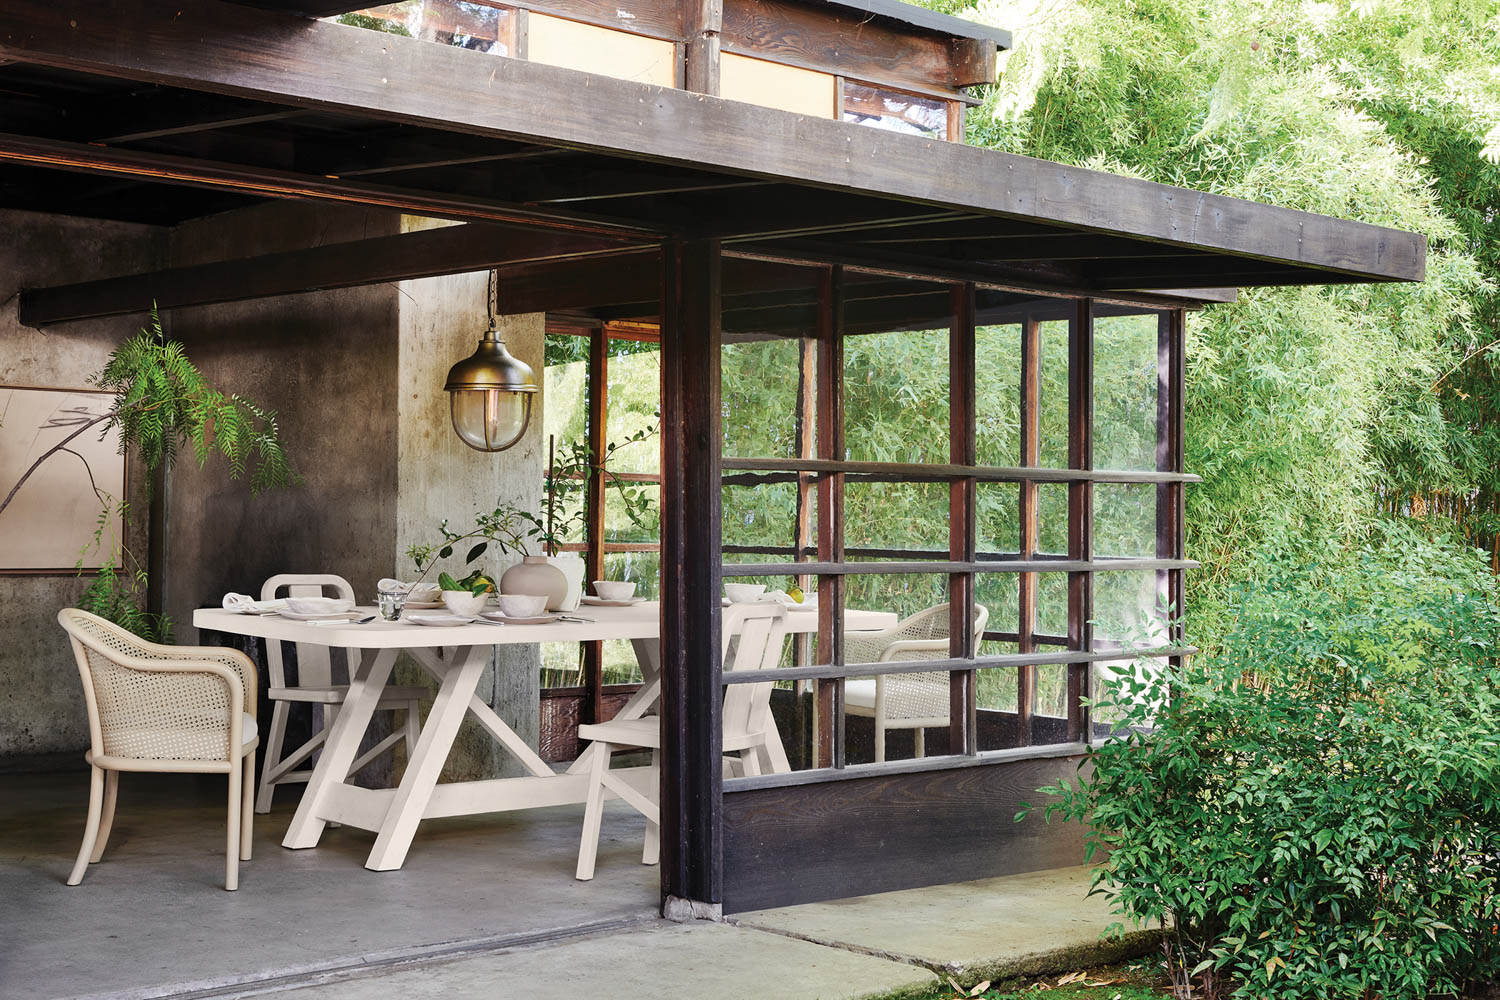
[[244, 604]]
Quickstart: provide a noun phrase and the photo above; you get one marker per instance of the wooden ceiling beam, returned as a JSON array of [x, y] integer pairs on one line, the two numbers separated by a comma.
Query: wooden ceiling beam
[[422, 254], [270, 182], [257, 55]]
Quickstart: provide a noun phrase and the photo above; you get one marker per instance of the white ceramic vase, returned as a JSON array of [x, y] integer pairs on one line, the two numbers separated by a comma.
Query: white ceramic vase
[[573, 568], [535, 575]]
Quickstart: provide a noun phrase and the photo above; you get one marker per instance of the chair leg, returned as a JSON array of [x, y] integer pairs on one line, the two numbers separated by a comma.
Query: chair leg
[[232, 838], [247, 806], [593, 815], [651, 853], [750, 762], [91, 828], [107, 821], [274, 742], [920, 740]]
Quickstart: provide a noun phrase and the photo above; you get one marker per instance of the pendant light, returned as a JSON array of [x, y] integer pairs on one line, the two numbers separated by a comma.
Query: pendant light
[[490, 392]]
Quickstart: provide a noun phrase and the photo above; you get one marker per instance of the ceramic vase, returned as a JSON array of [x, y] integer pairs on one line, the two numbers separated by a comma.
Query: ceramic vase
[[535, 575], [572, 566]]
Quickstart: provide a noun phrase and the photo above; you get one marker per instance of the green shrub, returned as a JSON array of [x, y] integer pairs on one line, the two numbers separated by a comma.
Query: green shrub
[[1317, 806]]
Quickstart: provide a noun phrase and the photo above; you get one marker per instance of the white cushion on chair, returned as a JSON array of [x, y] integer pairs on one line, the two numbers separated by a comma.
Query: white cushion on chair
[[860, 693], [248, 732]]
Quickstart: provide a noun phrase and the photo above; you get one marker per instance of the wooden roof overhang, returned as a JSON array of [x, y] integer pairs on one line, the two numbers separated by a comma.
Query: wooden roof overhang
[[160, 112]]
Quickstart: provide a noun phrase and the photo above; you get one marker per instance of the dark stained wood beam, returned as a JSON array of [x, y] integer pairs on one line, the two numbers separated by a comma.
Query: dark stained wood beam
[[210, 124], [423, 254], [257, 55], [270, 182]]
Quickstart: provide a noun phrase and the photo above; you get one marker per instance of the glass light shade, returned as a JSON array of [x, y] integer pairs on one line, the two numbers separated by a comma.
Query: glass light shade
[[490, 419], [489, 395]]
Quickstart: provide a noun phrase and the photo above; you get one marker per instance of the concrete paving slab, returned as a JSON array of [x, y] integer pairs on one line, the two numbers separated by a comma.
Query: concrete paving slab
[[1018, 925], [153, 918], [664, 961]]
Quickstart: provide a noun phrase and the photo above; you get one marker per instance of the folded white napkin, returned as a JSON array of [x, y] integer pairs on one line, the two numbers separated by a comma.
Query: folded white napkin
[[244, 604]]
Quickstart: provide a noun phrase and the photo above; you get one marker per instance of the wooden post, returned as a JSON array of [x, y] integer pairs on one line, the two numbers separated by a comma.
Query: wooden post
[[691, 695], [1026, 677], [1170, 525], [593, 652], [1080, 511], [963, 729], [829, 751], [703, 20], [802, 533]]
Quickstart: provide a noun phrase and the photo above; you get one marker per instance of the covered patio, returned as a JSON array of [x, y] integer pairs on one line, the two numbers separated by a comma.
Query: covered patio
[[317, 209]]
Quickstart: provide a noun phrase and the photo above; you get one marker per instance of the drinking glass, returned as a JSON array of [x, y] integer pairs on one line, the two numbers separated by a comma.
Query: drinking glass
[[390, 603]]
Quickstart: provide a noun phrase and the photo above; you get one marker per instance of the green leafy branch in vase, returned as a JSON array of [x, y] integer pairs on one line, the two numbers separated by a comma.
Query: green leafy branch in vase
[[565, 488], [161, 403], [506, 528]]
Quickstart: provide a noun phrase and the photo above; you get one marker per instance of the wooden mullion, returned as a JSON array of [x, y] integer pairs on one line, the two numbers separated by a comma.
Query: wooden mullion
[[598, 374], [691, 618], [829, 719], [803, 539], [1080, 512], [962, 688], [1026, 676], [703, 21]]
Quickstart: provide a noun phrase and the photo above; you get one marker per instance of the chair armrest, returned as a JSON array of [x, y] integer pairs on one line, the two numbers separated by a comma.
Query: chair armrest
[[224, 673], [916, 649], [242, 665]]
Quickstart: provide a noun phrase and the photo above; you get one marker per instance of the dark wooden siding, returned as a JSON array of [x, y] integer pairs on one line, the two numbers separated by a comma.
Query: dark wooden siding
[[832, 839]]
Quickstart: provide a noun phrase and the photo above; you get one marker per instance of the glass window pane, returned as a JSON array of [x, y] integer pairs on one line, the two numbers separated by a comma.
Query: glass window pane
[[997, 394], [1125, 519], [1124, 390], [896, 370], [880, 107], [465, 25], [761, 517], [896, 520], [632, 406]]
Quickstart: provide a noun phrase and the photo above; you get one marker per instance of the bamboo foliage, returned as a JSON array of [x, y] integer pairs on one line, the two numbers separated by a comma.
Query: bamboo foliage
[[1312, 413]]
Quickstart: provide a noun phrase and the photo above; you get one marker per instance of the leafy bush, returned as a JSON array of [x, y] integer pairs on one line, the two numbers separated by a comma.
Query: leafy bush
[[1316, 808]]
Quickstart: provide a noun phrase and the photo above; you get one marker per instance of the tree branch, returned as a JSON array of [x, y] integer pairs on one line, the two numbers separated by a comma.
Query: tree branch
[[62, 446]]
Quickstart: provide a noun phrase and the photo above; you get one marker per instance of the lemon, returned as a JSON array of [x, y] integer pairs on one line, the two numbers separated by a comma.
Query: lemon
[[795, 593]]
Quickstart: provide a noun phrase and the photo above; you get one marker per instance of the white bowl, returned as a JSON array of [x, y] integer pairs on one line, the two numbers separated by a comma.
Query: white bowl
[[523, 605], [424, 593], [614, 590], [461, 602], [318, 605], [744, 593]]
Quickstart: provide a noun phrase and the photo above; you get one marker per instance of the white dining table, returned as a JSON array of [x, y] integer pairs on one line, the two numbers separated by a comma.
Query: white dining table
[[456, 657]]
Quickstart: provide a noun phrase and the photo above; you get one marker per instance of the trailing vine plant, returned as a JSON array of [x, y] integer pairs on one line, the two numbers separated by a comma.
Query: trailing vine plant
[[162, 403]]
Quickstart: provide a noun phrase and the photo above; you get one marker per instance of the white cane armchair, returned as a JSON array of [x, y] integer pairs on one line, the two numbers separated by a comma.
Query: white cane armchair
[[163, 708], [904, 701]]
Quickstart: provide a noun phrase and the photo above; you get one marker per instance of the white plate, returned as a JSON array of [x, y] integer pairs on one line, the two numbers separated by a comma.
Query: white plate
[[447, 621], [325, 616], [423, 605], [495, 616], [807, 605], [600, 602]]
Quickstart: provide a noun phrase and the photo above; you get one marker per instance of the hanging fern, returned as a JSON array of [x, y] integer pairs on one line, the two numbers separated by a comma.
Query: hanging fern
[[163, 402]]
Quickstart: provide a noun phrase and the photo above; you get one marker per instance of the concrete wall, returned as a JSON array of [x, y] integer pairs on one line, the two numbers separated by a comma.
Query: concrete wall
[[355, 377], [326, 363], [439, 477], [41, 706]]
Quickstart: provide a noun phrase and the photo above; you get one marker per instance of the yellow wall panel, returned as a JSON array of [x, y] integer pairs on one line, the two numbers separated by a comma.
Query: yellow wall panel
[[560, 42], [772, 85]]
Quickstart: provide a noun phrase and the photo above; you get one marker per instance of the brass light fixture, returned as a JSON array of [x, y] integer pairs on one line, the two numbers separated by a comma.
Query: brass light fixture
[[490, 392]]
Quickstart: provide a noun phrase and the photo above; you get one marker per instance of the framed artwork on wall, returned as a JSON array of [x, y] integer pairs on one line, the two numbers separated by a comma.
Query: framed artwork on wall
[[52, 519]]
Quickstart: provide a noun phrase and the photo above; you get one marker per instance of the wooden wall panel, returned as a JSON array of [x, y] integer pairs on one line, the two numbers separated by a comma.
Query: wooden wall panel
[[802, 843], [771, 85], [591, 49]]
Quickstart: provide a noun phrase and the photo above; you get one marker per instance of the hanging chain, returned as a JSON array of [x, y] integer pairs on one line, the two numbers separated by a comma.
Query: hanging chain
[[492, 294]]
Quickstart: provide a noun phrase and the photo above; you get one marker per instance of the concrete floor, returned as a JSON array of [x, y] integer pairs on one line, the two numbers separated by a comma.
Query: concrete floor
[[485, 908], [152, 919]]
